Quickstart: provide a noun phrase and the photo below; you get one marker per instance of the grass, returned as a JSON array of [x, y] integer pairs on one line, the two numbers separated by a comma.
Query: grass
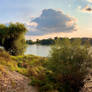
[[29, 64], [6, 60], [25, 64]]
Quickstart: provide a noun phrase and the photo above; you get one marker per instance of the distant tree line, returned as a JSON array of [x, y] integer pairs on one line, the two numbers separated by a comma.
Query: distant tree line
[[12, 38], [42, 42], [51, 41]]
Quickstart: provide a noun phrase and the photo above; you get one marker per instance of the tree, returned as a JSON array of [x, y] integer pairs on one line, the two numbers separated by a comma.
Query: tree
[[13, 38], [69, 63], [29, 42], [3, 33]]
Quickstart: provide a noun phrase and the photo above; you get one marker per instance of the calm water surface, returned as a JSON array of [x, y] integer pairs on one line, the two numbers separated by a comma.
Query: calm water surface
[[39, 50]]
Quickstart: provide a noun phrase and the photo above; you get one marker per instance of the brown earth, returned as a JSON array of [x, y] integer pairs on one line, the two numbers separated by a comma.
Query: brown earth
[[11, 81]]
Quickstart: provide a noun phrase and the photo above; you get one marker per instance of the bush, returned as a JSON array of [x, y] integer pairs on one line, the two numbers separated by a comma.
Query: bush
[[68, 64]]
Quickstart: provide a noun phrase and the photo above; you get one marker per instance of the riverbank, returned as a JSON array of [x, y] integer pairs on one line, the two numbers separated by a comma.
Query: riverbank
[[14, 72]]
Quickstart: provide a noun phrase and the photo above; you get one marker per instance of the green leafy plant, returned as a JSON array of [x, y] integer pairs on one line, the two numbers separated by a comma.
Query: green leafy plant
[[66, 67]]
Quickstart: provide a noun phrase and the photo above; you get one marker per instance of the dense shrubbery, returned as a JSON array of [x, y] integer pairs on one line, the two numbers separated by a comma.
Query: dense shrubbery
[[66, 67]]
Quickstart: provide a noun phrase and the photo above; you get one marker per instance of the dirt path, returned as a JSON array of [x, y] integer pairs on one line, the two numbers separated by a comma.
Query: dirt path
[[14, 82]]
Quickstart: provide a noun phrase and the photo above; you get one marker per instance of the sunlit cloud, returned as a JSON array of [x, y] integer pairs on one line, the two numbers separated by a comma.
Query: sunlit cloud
[[80, 34], [52, 21], [87, 9], [89, 1], [34, 24], [79, 7]]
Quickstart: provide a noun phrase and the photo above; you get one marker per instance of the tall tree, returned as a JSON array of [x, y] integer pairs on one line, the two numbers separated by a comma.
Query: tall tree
[[12, 38]]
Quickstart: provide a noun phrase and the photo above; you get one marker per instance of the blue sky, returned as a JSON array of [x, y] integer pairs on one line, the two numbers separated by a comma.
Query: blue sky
[[25, 10]]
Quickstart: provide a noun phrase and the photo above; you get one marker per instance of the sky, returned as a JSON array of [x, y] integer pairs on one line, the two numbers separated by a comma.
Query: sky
[[49, 18]]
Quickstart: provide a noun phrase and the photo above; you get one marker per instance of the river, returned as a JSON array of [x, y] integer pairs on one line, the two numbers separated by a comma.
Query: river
[[39, 50]]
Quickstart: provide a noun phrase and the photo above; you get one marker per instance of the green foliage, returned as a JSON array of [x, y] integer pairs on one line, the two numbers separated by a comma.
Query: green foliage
[[51, 41], [6, 60], [30, 42], [69, 63], [45, 41], [12, 38], [66, 67], [30, 65], [63, 71], [48, 41], [3, 33]]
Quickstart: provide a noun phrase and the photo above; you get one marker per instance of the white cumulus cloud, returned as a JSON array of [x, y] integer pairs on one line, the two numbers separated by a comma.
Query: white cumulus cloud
[[52, 21]]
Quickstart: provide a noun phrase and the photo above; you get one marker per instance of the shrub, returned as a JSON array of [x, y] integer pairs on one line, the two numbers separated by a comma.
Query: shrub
[[66, 67], [69, 63]]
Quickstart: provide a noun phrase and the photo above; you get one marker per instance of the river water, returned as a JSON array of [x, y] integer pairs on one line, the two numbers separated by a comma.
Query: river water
[[39, 50]]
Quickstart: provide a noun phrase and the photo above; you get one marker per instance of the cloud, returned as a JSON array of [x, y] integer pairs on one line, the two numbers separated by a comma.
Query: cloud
[[87, 9], [52, 21], [79, 7], [89, 1], [31, 24]]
